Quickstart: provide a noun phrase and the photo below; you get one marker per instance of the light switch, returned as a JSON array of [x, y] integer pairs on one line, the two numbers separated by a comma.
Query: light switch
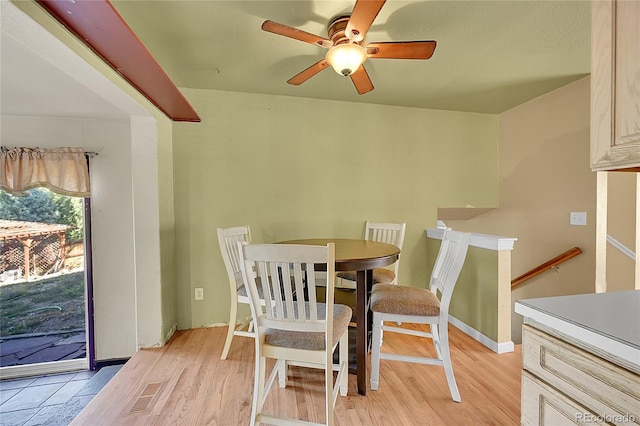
[[578, 218]]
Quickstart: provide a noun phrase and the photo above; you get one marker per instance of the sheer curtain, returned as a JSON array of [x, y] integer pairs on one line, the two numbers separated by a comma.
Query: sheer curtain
[[62, 170]]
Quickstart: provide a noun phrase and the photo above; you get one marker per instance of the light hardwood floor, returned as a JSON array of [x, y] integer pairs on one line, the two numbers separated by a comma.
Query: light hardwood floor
[[186, 383]]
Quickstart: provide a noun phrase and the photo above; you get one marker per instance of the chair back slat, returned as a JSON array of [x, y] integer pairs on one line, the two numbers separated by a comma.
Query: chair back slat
[[297, 284], [276, 298], [321, 281]]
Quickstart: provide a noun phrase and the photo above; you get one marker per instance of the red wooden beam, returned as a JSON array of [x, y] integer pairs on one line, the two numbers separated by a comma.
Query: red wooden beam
[[100, 26]]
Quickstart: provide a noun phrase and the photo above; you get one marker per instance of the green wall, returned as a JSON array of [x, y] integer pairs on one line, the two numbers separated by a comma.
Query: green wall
[[294, 168]]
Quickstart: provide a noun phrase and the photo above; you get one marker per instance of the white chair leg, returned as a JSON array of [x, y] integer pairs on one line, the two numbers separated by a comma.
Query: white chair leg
[[258, 388], [375, 350], [446, 361], [328, 391], [230, 330], [283, 369], [344, 363], [435, 337]]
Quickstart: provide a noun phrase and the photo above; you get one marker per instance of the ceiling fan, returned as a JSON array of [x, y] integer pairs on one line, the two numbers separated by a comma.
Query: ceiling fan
[[347, 50]]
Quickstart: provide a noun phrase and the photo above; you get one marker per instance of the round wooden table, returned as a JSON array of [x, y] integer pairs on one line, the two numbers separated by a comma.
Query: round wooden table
[[362, 257]]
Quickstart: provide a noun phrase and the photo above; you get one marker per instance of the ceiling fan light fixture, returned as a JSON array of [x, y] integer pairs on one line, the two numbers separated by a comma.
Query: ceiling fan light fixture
[[346, 58]]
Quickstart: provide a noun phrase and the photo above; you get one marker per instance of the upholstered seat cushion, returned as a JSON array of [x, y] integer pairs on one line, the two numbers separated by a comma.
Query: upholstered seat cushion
[[311, 341], [380, 275], [403, 300], [242, 290]]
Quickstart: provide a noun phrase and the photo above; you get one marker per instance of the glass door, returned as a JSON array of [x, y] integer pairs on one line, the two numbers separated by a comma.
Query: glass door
[[44, 291]]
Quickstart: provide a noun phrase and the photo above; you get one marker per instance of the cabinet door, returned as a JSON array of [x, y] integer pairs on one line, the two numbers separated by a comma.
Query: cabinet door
[[615, 85], [543, 405]]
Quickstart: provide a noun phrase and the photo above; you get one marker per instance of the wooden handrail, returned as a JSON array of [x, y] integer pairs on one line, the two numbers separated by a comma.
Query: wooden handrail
[[545, 266]]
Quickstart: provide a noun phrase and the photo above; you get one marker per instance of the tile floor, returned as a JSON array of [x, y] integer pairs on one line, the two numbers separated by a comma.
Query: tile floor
[[52, 400]]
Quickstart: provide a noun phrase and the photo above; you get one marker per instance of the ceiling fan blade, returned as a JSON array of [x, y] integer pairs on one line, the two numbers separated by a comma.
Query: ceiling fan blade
[[305, 75], [401, 50], [362, 81], [274, 27], [362, 16]]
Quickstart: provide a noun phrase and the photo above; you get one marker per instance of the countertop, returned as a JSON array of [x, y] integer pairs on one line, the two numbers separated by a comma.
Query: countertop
[[608, 322]]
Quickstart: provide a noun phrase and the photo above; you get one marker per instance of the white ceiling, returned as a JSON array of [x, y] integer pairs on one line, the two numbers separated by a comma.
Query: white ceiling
[[41, 76], [491, 55], [31, 86]]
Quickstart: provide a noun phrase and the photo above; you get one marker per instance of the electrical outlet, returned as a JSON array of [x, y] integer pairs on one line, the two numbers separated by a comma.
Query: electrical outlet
[[578, 218], [199, 293]]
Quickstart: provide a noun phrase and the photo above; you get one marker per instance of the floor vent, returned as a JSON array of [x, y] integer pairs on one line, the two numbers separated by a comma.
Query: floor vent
[[146, 397]]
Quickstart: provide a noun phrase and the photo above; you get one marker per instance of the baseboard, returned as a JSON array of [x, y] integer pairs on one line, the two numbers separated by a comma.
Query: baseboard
[[225, 324], [499, 348], [171, 332]]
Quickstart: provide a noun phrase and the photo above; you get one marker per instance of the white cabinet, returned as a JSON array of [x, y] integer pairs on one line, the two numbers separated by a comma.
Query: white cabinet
[[615, 85], [564, 384]]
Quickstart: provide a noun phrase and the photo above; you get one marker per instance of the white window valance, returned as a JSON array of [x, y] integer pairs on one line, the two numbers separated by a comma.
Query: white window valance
[[62, 170]]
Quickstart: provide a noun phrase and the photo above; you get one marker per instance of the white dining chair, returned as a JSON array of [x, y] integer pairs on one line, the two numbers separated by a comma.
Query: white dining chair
[[390, 233], [228, 239], [401, 304], [294, 330]]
